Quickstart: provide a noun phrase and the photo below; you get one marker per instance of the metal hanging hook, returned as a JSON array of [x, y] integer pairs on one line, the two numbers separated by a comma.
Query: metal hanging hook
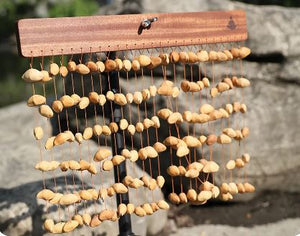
[[146, 24]]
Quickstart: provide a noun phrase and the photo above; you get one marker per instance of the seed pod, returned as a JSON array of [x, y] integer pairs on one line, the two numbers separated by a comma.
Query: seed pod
[[147, 123], [175, 117], [71, 66], [45, 194], [63, 71], [78, 138], [43, 166], [113, 126], [229, 108], [228, 54], [239, 163], [147, 208], [117, 159], [206, 186], [203, 56], [230, 132], [71, 137], [78, 218], [56, 198], [97, 130], [192, 173], [211, 139], [245, 132], [127, 180], [175, 92], [185, 86], [230, 165], [204, 196], [120, 99], [222, 56], [194, 87], [246, 157], [106, 130], [134, 156], [135, 65], [202, 139], [215, 191], [86, 218], [162, 204], [173, 170], [122, 209], [82, 69], [143, 154], [107, 165], [174, 57], [95, 221], [213, 55], [87, 133], [164, 59], [156, 122], [145, 180], [244, 52], [38, 133], [210, 167], [126, 65], [222, 87], [206, 108], [139, 211], [239, 135], [182, 151], [49, 225], [110, 96], [126, 153], [233, 188], [146, 94], [69, 199], [94, 97], [84, 102], [58, 228], [119, 64], [242, 83], [224, 139], [130, 208], [171, 141], [46, 76], [164, 113], [241, 188], [76, 98], [159, 147], [154, 206], [144, 60], [46, 111], [85, 195], [206, 82], [174, 198], [102, 154], [36, 100], [165, 91], [191, 141], [183, 198], [196, 166], [182, 170], [183, 57], [102, 193], [151, 152], [243, 108], [120, 188], [228, 82], [192, 57], [235, 52], [49, 143], [191, 195], [131, 129], [57, 106], [136, 183], [60, 139], [137, 97], [110, 65], [92, 169], [224, 188], [214, 92], [100, 66], [152, 184], [84, 165], [160, 181], [187, 116], [74, 165], [139, 127]]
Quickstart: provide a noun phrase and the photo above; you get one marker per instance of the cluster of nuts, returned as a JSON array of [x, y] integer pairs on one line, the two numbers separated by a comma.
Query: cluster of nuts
[[227, 190], [144, 181], [33, 75], [105, 215], [67, 165], [239, 162]]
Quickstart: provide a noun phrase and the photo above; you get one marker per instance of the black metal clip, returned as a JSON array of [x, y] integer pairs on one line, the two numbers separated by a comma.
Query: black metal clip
[[146, 24]]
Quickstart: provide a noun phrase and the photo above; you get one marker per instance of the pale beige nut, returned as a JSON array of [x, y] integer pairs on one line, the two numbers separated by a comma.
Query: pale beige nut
[[100, 66], [78, 218], [46, 75], [230, 165], [191, 195], [135, 65], [97, 130], [107, 165], [130, 208], [126, 65], [144, 60], [87, 133], [94, 97], [203, 56], [53, 69], [137, 97], [45, 194], [78, 138], [174, 57], [113, 126], [120, 99], [71, 66], [156, 122], [206, 109], [204, 196], [174, 198], [82, 69], [160, 181], [122, 209], [164, 113], [70, 226], [155, 62], [69, 199], [102, 154], [74, 165], [49, 225], [46, 111], [92, 66], [86, 218], [38, 132], [60, 139], [58, 228], [173, 170], [36, 100], [210, 167], [159, 147], [32, 75], [224, 139], [95, 221], [63, 71], [162, 204], [57, 106], [120, 188]]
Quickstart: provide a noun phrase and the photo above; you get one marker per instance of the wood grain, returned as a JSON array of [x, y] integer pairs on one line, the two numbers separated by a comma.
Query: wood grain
[[75, 35]]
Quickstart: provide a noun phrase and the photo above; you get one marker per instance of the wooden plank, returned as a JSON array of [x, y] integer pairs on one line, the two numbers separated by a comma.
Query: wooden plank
[[75, 35]]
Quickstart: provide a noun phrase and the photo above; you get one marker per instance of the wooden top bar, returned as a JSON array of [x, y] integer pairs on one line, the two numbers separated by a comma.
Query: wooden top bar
[[75, 35]]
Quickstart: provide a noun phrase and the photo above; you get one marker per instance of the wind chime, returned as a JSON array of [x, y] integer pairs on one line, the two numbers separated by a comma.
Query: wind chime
[[199, 57]]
